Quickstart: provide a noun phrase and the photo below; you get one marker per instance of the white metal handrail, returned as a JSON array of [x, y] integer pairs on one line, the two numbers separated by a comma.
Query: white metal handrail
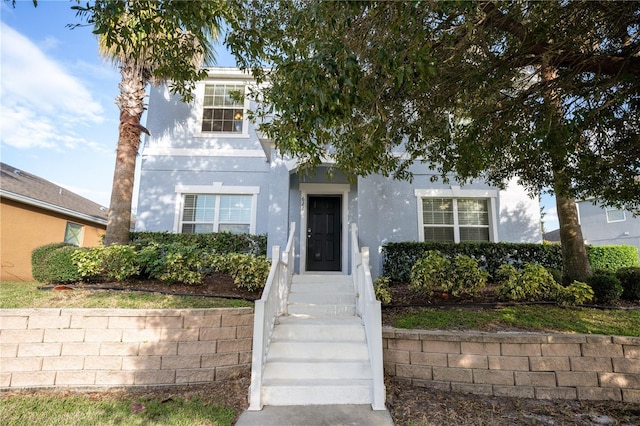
[[271, 305], [370, 310]]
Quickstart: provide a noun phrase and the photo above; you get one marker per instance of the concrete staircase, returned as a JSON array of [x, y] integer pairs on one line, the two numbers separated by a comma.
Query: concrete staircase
[[318, 354]]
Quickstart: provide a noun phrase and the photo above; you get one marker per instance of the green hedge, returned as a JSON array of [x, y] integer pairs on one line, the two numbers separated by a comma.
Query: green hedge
[[612, 258], [220, 242], [53, 263], [399, 258]]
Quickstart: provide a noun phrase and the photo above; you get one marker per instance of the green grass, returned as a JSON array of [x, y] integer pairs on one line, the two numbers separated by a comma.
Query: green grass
[[530, 318], [80, 410], [16, 295]]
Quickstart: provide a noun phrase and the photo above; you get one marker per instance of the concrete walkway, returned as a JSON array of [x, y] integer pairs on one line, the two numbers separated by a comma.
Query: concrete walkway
[[316, 415]]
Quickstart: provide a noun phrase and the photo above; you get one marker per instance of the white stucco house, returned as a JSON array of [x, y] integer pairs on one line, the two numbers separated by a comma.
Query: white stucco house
[[317, 330], [205, 169]]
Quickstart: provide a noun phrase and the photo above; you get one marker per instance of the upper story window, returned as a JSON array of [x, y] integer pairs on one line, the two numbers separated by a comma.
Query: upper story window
[[615, 215], [223, 108], [73, 234]]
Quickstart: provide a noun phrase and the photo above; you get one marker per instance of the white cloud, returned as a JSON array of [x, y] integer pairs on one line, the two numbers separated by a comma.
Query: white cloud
[[551, 219], [43, 104]]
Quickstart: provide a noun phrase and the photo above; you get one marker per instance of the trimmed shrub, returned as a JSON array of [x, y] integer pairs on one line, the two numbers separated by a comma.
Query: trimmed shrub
[[249, 272], [577, 293], [533, 283], [606, 287], [115, 262], [173, 263], [630, 280], [381, 290], [430, 272], [220, 242], [399, 258], [58, 266], [39, 267], [468, 278], [612, 258]]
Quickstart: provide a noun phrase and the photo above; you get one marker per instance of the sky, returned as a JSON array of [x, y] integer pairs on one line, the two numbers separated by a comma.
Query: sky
[[58, 119]]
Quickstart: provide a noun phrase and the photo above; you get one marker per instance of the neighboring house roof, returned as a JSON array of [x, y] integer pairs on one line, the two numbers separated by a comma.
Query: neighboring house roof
[[24, 187], [552, 236]]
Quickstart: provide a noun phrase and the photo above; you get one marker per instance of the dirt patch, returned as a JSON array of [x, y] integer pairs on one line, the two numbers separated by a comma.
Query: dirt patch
[[213, 285]]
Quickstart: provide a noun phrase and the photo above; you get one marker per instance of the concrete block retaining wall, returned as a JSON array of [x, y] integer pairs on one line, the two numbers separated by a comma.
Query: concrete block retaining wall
[[101, 348], [523, 365], [123, 347]]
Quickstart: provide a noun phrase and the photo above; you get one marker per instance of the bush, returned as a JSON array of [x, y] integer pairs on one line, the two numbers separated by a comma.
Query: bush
[[89, 262], [39, 267], [115, 262], [58, 266], [612, 258], [220, 242], [381, 290], [577, 293], [630, 280], [173, 263], [249, 272], [533, 283], [468, 278], [606, 287], [399, 258], [431, 271]]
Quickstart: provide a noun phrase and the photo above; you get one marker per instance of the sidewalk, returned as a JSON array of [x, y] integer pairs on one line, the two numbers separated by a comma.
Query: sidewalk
[[316, 415]]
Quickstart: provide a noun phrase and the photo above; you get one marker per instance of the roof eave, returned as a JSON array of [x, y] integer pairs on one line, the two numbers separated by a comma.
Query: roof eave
[[52, 207]]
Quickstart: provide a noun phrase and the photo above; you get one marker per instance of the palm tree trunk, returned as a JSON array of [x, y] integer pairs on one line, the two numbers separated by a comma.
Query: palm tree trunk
[[131, 103]]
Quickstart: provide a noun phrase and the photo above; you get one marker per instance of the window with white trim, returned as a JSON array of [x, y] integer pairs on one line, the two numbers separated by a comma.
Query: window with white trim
[[223, 108], [203, 213], [615, 215], [455, 219]]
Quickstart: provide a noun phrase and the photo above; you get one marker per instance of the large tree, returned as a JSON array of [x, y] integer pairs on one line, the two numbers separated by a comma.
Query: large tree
[[150, 41], [545, 92]]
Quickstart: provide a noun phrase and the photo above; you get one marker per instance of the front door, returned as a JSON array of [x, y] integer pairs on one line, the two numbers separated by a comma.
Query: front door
[[324, 231]]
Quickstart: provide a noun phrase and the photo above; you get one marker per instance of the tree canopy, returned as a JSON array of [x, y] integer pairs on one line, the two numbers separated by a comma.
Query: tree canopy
[[150, 41], [541, 91]]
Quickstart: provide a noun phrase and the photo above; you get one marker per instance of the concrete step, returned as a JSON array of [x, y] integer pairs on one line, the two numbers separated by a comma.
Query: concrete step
[[323, 287], [323, 328], [323, 298], [319, 392], [292, 350], [322, 278], [314, 310], [317, 370]]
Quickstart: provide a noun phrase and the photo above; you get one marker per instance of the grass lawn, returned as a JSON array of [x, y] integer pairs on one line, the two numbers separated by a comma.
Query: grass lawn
[[540, 318], [32, 409], [21, 295]]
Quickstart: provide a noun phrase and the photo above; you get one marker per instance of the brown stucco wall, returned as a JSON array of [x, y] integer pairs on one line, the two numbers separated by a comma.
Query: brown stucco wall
[[24, 227]]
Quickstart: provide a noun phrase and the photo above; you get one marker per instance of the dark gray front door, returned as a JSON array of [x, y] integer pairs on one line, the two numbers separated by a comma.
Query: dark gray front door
[[324, 231]]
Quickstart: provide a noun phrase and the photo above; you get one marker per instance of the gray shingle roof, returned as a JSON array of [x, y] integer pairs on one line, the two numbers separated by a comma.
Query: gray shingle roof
[[23, 186]]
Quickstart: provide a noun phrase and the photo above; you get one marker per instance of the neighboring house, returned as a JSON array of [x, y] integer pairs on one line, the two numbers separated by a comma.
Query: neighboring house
[[35, 212], [608, 225], [205, 169]]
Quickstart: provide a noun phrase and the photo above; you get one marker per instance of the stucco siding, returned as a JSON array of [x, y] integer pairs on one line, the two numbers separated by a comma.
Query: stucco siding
[[25, 228], [596, 230]]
